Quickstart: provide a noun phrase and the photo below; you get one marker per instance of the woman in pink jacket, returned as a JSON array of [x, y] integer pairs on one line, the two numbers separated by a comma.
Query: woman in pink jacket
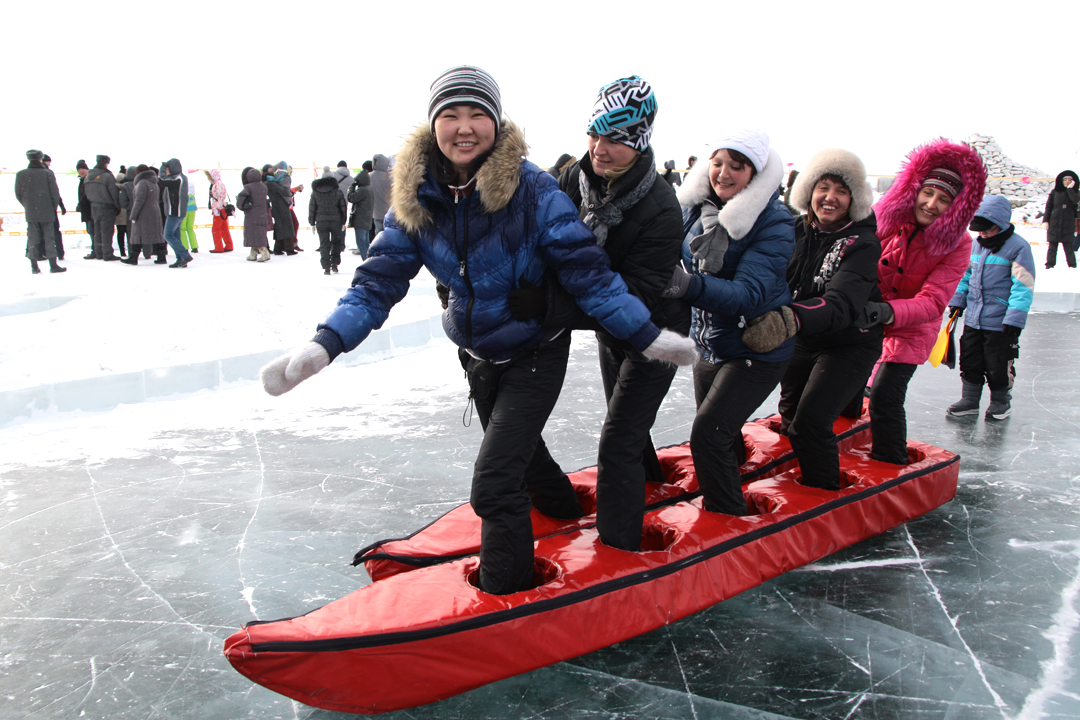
[[925, 249], [219, 198]]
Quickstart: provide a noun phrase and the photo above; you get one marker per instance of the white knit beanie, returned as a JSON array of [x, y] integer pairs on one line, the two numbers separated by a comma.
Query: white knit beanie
[[754, 144]]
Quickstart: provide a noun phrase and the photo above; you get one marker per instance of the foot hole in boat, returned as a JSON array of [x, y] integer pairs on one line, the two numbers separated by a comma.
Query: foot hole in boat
[[774, 424], [915, 455], [544, 571], [655, 538], [847, 479]]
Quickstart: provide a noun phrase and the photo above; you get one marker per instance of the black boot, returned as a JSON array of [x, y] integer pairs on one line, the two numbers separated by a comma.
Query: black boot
[[54, 268], [131, 259], [34, 269]]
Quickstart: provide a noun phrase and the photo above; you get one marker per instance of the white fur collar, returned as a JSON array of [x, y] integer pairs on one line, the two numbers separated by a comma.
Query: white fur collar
[[741, 212]]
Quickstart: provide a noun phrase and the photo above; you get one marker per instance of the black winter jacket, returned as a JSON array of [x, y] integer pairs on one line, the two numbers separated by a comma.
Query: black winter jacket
[[832, 276], [644, 249], [1061, 209], [327, 204], [363, 201], [280, 195]]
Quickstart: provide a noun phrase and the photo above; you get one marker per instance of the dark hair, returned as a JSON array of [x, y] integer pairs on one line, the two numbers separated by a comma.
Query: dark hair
[[691, 160], [367, 166], [742, 160], [141, 169], [835, 178]]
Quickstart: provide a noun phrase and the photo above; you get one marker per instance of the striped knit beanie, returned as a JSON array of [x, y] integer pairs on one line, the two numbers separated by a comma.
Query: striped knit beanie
[[624, 112], [465, 85], [944, 179]]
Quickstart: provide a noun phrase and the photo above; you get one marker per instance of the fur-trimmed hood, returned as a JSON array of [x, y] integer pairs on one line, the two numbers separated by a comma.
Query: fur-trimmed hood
[[1059, 183], [897, 207], [496, 181], [846, 165], [741, 212]]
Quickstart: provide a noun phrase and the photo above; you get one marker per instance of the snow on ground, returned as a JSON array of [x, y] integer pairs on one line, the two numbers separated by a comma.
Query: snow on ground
[[125, 319]]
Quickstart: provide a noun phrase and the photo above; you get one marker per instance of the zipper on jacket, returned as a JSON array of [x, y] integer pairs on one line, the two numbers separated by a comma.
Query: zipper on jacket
[[468, 282]]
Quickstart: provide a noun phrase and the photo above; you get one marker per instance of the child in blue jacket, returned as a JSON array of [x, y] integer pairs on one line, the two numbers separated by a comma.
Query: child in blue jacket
[[996, 290]]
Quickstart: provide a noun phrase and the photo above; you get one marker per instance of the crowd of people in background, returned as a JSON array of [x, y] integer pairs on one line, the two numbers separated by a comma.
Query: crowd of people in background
[[150, 211]]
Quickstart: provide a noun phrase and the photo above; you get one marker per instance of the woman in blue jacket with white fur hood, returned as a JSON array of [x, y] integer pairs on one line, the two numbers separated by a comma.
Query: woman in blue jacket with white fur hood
[[740, 237], [483, 220], [996, 291]]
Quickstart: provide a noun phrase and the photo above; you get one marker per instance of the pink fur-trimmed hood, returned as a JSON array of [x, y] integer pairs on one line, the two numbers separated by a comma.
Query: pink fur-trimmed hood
[[897, 207]]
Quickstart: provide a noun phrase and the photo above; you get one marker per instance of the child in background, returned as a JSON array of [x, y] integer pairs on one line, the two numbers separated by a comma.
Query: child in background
[[996, 290], [187, 227]]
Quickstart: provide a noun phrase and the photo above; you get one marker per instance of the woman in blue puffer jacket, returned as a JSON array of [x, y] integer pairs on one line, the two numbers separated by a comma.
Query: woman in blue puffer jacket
[[481, 219], [740, 237]]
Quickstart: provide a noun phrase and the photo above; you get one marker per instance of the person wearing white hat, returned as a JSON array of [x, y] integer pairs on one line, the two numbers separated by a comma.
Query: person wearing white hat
[[739, 238]]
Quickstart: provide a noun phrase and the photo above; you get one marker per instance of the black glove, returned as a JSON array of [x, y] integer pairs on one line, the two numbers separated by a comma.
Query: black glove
[[1011, 334], [957, 311], [873, 314], [444, 294], [527, 301]]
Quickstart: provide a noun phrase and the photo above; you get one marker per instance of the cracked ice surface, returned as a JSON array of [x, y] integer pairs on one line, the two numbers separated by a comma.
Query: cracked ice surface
[[136, 540]]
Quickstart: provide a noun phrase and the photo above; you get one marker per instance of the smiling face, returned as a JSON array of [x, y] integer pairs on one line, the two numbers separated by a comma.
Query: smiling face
[[728, 176], [830, 201], [929, 204], [464, 134], [609, 155]]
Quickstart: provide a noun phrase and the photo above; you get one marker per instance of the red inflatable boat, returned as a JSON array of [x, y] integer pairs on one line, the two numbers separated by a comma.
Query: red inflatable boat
[[422, 631]]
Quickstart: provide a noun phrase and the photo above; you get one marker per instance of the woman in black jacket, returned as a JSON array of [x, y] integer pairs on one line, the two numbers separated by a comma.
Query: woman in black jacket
[[1062, 211], [637, 220], [832, 275]]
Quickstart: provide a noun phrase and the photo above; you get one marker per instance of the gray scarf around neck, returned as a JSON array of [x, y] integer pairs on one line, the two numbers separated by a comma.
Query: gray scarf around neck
[[712, 244], [602, 213]]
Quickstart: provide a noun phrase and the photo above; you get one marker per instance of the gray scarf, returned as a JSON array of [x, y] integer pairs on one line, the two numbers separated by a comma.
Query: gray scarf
[[606, 212], [711, 245]]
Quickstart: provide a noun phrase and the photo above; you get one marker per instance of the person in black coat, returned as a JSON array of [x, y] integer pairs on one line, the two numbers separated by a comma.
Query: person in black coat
[[1060, 216], [637, 219], [832, 275], [278, 190], [326, 213]]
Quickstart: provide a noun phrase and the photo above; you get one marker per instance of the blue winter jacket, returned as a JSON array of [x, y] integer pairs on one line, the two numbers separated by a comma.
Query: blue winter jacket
[[998, 286], [752, 282], [513, 224]]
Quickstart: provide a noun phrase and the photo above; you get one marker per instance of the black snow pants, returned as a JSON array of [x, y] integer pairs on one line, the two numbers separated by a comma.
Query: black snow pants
[[814, 390], [513, 401], [726, 395], [986, 356]]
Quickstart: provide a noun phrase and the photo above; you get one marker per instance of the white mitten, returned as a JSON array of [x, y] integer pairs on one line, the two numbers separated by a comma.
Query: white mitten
[[671, 347], [282, 374]]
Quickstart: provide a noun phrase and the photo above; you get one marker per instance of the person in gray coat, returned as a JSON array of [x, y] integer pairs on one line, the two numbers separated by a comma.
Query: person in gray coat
[[360, 218], [145, 225], [380, 189], [37, 192], [104, 200], [344, 179], [252, 201]]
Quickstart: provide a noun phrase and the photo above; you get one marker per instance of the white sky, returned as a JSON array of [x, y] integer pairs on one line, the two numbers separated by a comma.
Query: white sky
[[248, 83]]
